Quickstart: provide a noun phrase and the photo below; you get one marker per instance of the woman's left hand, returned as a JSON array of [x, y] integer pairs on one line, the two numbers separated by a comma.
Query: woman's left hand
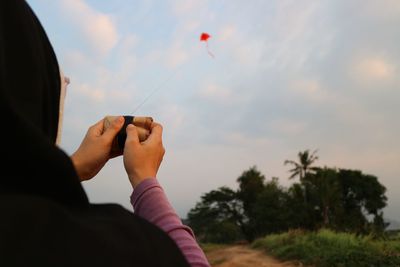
[[95, 149]]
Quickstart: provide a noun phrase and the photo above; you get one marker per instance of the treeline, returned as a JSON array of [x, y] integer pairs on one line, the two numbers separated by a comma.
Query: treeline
[[322, 197]]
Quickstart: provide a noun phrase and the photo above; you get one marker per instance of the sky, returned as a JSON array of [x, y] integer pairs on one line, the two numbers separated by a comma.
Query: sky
[[287, 76]]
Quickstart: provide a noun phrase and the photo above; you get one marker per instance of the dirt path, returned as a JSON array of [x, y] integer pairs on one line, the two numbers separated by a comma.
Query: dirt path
[[243, 256]]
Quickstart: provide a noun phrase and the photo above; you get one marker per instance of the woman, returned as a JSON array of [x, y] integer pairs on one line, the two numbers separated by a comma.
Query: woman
[[46, 219]]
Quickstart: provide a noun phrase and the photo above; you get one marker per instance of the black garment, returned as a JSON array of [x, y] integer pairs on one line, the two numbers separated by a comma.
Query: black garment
[[45, 216]]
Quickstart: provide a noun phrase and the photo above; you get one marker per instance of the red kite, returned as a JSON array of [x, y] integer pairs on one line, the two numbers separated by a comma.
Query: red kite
[[204, 38]]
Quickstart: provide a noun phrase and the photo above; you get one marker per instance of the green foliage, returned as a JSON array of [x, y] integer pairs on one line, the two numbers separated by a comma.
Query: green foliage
[[267, 214], [326, 248], [303, 167], [344, 199], [217, 218], [339, 199]]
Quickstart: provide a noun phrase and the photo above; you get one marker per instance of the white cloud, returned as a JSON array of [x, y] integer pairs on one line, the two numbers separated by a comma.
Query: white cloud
[[183, 7], [373, 69], [176, 55], [311, 90], [243, 141], [288, 127], [221, 96], [299, 32], [383, 9], [96, 95], [249, 53], [191, 25], [215, 92], [172, 117], [226, 33], [96, 28]]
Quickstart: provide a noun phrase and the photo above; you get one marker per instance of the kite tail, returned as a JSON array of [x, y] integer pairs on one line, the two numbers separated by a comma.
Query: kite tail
[[209, 52]]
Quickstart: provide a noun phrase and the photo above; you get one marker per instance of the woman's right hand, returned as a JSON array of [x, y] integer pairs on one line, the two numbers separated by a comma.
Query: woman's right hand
[[142, 159]]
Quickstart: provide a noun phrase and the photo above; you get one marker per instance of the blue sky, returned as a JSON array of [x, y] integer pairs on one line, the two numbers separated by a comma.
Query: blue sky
[[287, 76]]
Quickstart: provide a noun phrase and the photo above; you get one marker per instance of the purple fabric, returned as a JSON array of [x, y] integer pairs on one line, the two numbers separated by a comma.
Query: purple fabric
[[150, 202]]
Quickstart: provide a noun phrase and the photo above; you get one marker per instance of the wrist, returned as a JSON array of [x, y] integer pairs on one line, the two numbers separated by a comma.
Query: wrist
[[78, 167], [135, 181]]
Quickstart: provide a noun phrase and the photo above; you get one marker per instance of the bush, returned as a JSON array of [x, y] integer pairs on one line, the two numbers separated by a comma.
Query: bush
[[326, 248]]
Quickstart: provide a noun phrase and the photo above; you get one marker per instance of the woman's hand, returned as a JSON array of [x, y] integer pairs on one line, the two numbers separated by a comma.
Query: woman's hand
[[142, 160], [95, 149]]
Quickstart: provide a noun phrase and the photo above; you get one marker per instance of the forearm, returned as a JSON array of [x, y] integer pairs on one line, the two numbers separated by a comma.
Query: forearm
[[150, 202]]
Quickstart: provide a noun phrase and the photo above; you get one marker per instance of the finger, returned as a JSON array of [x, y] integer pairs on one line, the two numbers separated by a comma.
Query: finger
[[155, 133], [132, 136], [154, 125], [115, 126], [142, 133], [144, 122], [97, 129]]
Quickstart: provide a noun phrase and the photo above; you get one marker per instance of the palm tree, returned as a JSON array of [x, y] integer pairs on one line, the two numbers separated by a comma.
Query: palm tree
[[302, 167]]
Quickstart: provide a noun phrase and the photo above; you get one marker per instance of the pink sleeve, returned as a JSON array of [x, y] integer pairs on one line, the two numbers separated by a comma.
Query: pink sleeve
[[150, 202]]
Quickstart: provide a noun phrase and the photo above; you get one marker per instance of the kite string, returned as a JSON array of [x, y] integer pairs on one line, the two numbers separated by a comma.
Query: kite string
[[156, 89]]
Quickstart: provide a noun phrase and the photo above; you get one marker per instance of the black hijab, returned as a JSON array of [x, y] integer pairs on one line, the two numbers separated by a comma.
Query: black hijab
[[45, 216]]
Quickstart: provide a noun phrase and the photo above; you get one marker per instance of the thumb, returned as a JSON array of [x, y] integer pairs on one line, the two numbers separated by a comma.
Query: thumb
[[132, 135], [115, 126]]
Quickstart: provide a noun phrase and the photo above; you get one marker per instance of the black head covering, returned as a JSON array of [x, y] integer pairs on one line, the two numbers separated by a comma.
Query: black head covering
[[45, 216]]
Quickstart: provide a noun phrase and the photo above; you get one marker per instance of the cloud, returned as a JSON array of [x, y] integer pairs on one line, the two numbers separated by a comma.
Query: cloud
[[191, 25], [384, 9], [226, 33], [96, 28], [183, 7], [241, 140], [94, 95], [373, 69], [288, 127], [311, 90], [176, 55], [172, 117], [216, 93]]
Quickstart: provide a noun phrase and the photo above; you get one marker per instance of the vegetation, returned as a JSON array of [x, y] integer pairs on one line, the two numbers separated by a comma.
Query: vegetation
[[303, 167], [323, 197], [207, 247], [330, 249]]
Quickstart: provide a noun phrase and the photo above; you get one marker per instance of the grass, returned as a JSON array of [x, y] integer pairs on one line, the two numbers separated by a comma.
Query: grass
[[207, 247], [330, 249], [210, 247]]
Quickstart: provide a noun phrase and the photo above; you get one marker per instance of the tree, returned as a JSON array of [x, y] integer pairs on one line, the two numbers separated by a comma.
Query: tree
[[264, 204], [362, 197], [251, 185], [344, 200], [297, 210], [325, 191], [302, 167], [252, 210], [217, 217], [271, 211]]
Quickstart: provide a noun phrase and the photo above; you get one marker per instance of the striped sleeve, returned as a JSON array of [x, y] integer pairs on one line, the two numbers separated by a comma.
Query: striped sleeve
[[150, 202]]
